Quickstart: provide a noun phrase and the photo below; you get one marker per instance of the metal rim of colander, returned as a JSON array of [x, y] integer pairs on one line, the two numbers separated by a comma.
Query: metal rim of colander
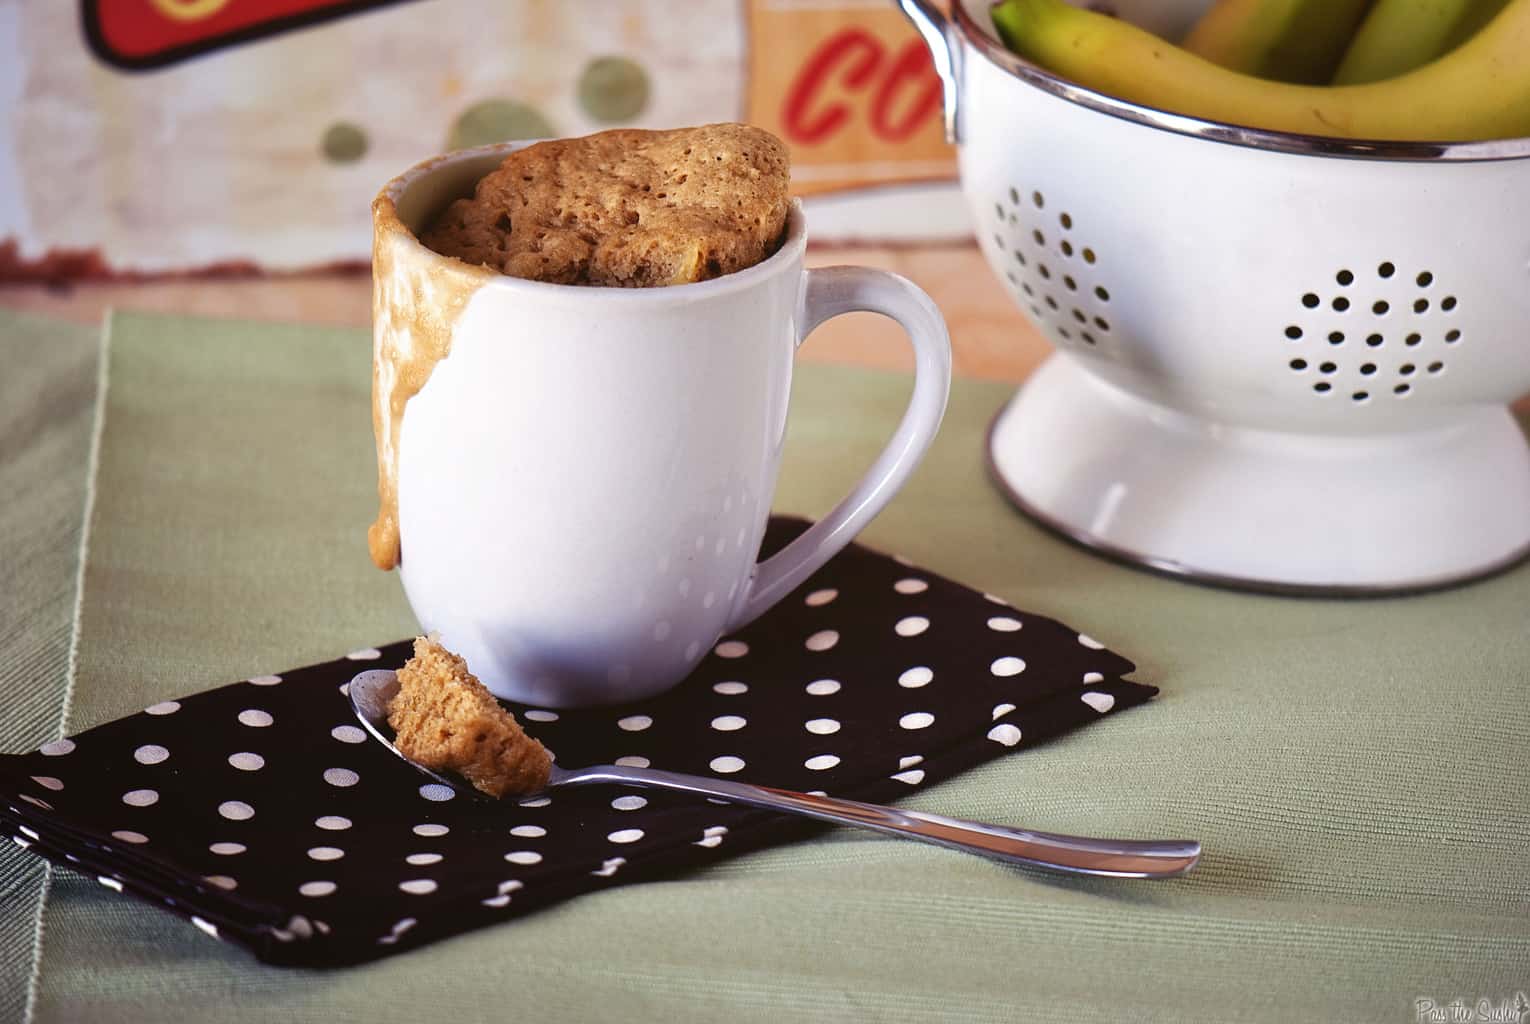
[[1217, 131]]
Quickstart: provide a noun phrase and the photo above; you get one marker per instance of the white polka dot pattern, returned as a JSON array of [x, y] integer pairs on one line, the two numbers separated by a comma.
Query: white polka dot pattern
[[341, 777], [236, 810], [273, 781], [823, 640], [916, 677]]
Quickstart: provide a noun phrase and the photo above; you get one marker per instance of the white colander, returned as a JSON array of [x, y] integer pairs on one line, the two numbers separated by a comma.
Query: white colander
[[1281, 362]]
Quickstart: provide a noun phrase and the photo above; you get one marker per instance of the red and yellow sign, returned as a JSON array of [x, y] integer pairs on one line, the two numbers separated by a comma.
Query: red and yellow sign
[[849, 85], [139, 34]]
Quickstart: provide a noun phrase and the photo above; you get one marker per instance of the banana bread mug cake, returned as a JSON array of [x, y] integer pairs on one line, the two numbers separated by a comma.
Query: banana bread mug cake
[[582, 364], [626, 208]]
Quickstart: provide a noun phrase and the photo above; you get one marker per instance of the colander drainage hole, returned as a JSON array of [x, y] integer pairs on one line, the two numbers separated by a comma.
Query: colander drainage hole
[[1386, 270], [1322, 386], [1078, 314], [1065, 220], [1088, 255], [1072, 284], [1014, 197], [1088, 338], [1374, 340], [1344, 277], [1066, 247], [1402, 389], [1420, 305], [1020, 257], [1367, 369], [1361, 396], [1407, 369], [1413, 339], [1051, 302], [1335, 337], [1327, 368], [1381, 307], [1310, 300], [1298, 364], [1039, 237], [1038, 199], [1425, 279], [1448, 303], [1064, 332], [1102, 323], [1044, 271], [1436, 367], [1104, 296], [1294, 332], [1340, 304], [1452, 336]]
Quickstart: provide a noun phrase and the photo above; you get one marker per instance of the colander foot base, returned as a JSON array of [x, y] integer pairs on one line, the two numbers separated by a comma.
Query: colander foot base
[[1263, 510]]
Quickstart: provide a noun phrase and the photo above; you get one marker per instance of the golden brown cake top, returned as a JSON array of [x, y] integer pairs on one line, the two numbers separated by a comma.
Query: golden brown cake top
[[445, 719], [628, 208]]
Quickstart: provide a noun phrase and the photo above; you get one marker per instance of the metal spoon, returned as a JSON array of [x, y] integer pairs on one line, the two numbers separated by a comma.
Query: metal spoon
[[371, 692]]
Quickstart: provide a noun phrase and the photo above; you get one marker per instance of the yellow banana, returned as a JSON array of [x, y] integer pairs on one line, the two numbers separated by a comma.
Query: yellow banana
[[1400, 35], [1481, 90], [1287, 40]]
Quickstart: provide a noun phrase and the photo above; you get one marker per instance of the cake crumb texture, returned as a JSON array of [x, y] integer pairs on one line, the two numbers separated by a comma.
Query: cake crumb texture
[[445, 719], [626, 208]]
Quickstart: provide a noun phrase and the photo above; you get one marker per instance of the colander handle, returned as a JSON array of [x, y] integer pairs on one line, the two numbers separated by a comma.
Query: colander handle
[[945, 52], [828, 292]]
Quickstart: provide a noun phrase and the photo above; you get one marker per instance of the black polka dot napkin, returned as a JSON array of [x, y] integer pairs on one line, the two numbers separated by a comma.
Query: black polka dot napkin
[[265, 816]]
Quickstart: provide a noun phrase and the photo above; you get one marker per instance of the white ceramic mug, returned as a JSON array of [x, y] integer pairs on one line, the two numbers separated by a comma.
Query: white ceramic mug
[[583, 482]]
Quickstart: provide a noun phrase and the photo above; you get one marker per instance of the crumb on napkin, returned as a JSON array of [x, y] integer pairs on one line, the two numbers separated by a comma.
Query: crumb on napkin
[[445, 719]]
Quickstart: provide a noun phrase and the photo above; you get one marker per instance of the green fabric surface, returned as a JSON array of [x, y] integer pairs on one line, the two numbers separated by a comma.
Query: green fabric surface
[[47, 396], [1357, 770]]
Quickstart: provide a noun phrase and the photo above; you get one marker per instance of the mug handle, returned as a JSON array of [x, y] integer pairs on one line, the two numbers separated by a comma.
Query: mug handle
[[830, 291]]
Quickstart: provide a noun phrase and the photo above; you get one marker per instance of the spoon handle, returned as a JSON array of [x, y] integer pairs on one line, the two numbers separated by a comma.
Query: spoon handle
[[1120, 858]]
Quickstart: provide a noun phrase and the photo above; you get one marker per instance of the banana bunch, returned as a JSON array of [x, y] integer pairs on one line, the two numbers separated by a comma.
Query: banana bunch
[[1422, 70]]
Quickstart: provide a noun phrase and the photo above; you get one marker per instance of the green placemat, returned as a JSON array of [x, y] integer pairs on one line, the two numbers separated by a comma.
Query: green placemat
[[1356, 769], [47, 397]]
